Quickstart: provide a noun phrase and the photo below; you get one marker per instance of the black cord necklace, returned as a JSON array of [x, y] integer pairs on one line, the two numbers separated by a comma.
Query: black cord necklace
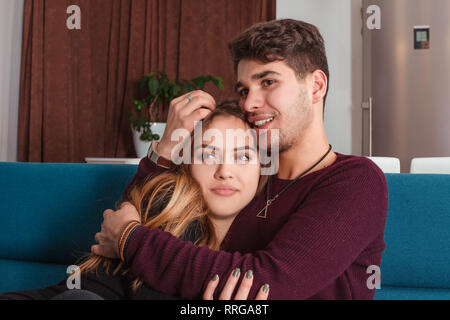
[[270, 201]]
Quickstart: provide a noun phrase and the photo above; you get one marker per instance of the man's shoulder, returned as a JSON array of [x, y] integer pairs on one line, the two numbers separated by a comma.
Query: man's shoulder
[[354, 182], [355, 165], [352, 172]]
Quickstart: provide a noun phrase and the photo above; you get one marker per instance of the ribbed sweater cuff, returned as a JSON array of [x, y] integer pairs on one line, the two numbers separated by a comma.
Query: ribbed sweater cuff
[[134, 242]]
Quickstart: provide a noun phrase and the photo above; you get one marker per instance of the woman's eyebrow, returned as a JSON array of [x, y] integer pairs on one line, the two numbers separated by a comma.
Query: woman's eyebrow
[[208, 146], [245, 148], [205, 146]]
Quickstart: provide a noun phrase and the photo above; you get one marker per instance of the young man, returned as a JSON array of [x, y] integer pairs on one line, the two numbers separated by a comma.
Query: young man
[[318, 225]]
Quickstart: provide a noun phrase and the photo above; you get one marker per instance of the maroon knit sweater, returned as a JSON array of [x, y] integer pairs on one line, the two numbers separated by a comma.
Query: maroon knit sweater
[[316, 243]]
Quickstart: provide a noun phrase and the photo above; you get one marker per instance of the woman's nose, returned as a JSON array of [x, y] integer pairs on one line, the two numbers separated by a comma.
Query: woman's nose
[[224, 171]]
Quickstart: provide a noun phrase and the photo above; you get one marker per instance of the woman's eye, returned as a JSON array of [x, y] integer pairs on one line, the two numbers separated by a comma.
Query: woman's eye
[[243, 157], [208, 155]]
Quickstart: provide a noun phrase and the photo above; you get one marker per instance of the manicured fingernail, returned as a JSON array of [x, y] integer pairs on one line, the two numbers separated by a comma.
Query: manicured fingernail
[[266, 288], [236, 272], [249, 274], [216, 276]]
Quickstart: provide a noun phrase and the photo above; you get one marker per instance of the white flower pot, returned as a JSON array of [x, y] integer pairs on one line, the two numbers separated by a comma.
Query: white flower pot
[[141, 146]]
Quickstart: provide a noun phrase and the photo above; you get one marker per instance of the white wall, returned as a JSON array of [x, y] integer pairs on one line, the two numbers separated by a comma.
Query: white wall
[[11, 21], [339, 22]]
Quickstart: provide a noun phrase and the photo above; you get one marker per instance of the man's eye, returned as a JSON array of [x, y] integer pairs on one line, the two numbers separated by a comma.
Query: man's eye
[[243, 93], [268, 82]]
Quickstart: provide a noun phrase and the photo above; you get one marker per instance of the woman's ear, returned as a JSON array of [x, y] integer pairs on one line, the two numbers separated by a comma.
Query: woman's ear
[[320, 83]]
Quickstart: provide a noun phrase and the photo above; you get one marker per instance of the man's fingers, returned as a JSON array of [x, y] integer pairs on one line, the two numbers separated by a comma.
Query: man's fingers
[[95, 249], [195, 95], [106, 212], [263, 293], [245, 286], [100, 250], [210, 288], [97, 237], [228, 289], [184, 106], [185, 110], [197, 115], [125, 203]]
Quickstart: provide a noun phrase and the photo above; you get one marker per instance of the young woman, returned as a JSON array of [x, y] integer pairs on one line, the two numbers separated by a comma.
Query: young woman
[[196, 202]]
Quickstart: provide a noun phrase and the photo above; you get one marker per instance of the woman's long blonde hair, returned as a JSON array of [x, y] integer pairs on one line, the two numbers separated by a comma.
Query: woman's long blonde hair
[[179, 197]]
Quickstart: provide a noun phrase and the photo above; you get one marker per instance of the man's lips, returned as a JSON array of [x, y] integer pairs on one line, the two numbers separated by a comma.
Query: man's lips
[[259, 117], [225, 191]]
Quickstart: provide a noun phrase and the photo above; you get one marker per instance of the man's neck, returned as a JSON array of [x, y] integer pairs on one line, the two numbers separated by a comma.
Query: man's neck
[[304, 154]]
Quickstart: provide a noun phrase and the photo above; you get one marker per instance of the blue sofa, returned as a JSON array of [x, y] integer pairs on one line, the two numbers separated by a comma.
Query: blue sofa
[[49, 214]]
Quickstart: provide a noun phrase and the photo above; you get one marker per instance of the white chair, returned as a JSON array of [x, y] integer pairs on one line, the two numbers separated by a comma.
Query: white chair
[[431, 165], [387, 164]]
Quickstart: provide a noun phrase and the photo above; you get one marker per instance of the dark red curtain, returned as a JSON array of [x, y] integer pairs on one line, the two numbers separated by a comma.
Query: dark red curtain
[[77, 86]]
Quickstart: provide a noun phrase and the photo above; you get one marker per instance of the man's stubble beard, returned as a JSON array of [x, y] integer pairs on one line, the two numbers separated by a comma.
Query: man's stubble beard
[[301, 110]]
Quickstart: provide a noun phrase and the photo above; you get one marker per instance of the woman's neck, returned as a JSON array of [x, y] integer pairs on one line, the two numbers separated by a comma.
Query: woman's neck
[[221, 227]]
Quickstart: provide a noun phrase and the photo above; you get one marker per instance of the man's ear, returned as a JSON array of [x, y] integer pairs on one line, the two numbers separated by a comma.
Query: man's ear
[[320, 83]]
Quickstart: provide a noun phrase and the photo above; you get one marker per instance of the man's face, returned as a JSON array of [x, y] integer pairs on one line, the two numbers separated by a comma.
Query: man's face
[[273, 97]]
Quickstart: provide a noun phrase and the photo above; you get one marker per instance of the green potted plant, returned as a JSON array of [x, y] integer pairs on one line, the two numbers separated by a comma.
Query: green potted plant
[[149, 113]]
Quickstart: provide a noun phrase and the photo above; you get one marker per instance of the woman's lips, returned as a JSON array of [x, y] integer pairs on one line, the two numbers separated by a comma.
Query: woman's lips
[[224, 191]]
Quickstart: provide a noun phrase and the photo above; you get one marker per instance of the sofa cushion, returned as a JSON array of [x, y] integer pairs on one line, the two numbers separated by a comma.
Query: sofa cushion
[[417, 233], [50, 212]]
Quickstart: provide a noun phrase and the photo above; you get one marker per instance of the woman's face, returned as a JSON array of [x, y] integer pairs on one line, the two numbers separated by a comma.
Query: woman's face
[[228, 175]]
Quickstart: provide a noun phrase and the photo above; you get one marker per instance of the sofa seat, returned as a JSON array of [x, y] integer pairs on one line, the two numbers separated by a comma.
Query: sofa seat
[[408, 293], [28, 275], [49, 214]]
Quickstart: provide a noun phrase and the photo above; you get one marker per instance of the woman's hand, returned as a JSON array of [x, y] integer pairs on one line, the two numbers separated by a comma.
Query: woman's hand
[[113, 223], [184, 111], [228, 289]]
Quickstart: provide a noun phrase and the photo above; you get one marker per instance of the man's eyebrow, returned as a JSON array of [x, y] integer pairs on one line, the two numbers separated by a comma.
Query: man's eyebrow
[[264, 74], [257, 76]]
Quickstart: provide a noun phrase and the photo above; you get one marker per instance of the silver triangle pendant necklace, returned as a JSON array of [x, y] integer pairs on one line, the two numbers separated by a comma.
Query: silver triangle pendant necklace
[[263, 213]]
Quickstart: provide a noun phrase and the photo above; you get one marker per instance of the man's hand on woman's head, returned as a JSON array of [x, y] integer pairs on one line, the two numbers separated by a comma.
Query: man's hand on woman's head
[[230, 285], [113, 223], [184, 111]]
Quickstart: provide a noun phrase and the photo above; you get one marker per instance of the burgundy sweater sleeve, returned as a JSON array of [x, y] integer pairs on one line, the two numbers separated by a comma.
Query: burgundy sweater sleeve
[[340, 217], [146, 168]]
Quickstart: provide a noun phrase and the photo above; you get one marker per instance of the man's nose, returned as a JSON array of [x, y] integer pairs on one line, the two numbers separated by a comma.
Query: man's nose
[[253, 101]]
